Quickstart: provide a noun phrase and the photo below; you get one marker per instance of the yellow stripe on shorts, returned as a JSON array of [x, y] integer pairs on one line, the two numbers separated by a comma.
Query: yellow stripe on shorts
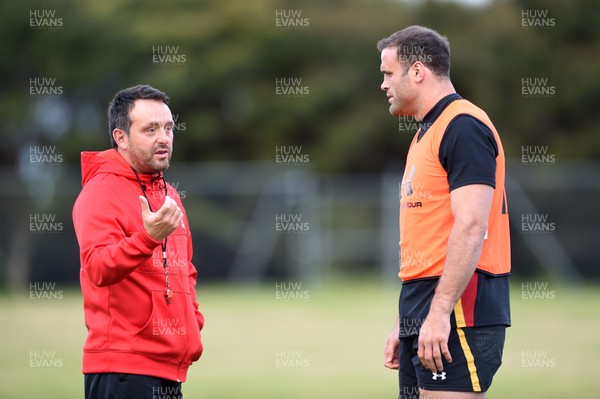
[[470, 360], [459, 314]]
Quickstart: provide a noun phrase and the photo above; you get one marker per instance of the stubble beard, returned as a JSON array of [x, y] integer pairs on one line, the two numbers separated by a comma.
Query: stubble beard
[[396, 108], [148, 165]]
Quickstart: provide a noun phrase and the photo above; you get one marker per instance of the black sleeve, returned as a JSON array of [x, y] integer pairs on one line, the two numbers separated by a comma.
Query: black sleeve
[[468, 153]]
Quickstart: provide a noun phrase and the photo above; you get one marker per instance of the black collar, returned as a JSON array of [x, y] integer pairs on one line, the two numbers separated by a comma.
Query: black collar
[[434, 113]]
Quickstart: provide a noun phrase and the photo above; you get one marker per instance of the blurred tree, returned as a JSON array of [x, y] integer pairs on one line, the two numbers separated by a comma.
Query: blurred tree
[[228, 59], [225, 90]]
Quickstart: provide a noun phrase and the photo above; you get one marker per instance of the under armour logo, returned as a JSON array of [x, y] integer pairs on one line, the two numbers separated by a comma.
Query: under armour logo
[[441, 375]]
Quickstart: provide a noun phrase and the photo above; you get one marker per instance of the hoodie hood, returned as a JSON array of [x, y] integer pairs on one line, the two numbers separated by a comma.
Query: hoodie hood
[[94, 163]]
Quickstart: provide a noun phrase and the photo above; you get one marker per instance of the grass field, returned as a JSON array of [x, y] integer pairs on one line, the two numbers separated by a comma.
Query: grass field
[[326, 344]]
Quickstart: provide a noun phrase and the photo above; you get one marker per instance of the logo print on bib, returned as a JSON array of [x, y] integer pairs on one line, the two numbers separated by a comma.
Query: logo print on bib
[[409, 189]]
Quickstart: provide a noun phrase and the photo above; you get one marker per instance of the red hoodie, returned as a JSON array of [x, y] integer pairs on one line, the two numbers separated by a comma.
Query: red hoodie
[[131, 328]]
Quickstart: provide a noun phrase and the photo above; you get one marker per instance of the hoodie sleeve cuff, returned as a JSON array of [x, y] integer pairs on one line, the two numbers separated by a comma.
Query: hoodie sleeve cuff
[[149, 242]]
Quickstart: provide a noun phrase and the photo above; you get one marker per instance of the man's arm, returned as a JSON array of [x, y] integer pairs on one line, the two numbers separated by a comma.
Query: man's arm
[[470, 207], [390, 353], [108, 255]]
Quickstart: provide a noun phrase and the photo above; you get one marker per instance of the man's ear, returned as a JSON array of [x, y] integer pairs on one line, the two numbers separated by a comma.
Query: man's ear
[[120, 137], [417, 71]]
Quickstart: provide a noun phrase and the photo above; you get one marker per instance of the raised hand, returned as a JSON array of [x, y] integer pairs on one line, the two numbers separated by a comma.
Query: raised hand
[[163, 222]]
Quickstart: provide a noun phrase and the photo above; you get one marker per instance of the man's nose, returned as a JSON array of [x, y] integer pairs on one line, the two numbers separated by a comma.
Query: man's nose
[[163, 136]]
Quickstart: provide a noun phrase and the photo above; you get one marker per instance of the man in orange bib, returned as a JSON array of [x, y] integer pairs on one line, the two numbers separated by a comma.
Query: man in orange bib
[[454, 232]]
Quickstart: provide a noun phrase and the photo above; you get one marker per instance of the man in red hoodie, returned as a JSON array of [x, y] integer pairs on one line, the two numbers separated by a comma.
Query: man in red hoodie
[[137, 277]]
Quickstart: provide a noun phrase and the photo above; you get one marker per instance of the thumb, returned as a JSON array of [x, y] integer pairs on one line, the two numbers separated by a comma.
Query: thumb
[[145, 207]]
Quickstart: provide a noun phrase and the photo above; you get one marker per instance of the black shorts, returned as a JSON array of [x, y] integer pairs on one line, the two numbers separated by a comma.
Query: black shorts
[[129, 386], [476, 356]]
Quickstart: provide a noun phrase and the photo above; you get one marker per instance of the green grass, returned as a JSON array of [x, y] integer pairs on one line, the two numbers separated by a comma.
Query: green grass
[[337, 333]]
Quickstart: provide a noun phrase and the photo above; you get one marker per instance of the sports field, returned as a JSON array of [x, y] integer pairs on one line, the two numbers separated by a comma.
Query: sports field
[[313, 341]]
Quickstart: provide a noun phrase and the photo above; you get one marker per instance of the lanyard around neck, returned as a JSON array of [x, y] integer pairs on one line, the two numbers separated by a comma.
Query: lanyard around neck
[[168, 292]]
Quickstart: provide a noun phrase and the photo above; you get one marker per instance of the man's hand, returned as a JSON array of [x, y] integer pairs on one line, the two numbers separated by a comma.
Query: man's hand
[[390, 353], [470, 207], [163, 222], [433, 341]]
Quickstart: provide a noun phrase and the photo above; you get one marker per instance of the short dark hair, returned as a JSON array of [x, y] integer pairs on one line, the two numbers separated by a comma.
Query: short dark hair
[[121, 104], [418, 43]]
